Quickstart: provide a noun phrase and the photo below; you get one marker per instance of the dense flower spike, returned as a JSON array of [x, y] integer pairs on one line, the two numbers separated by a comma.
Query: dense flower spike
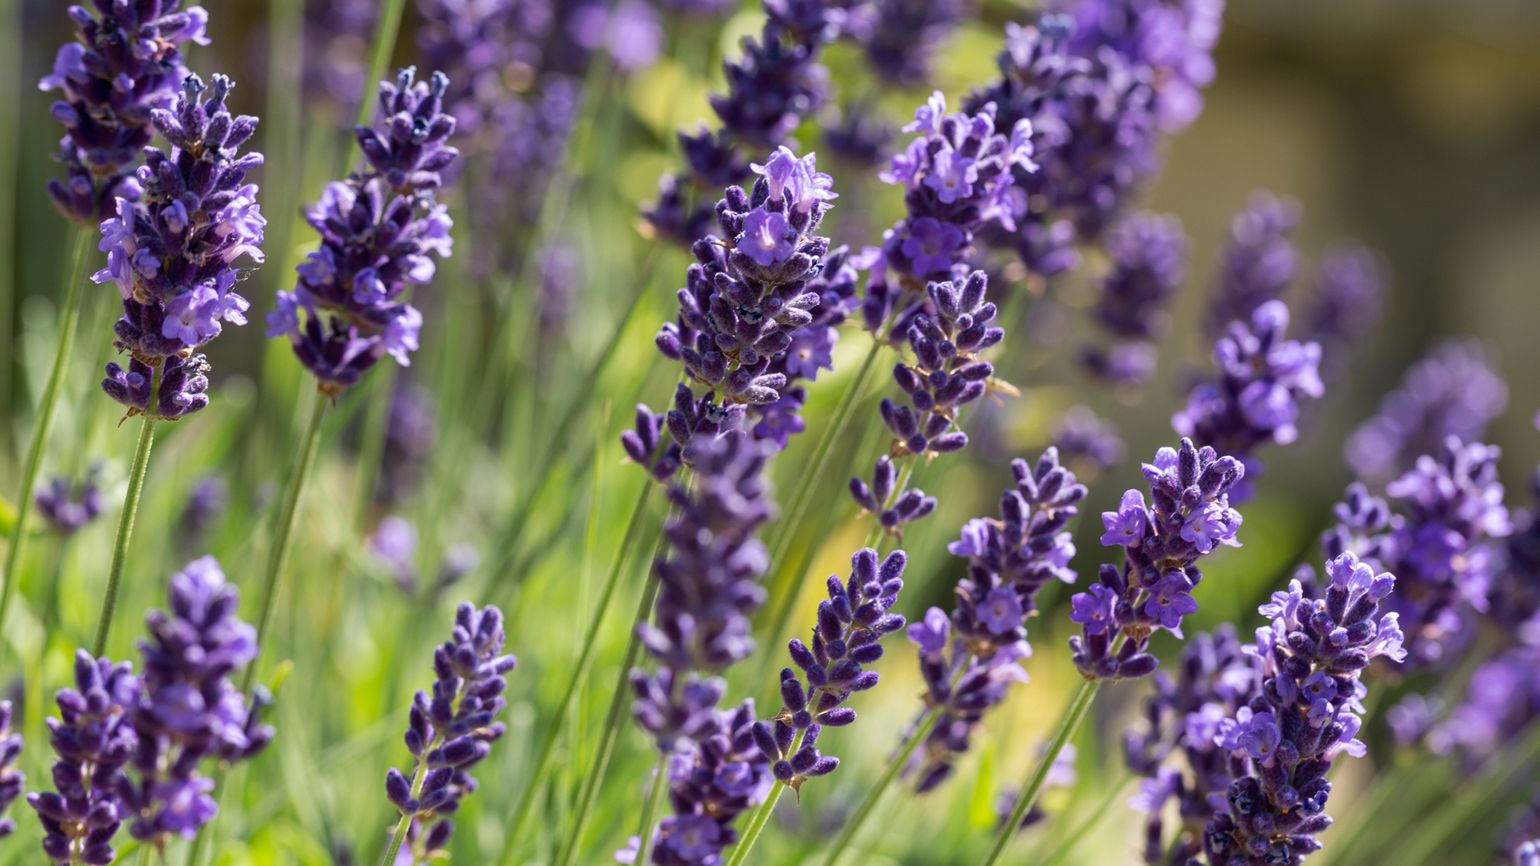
[[93, 740], [189, 710], [1173, 40], [1149, 260], [708, 587], [1436, 535], [1454, 391], [174, 251], [901, 37], [851, 624], [69, 507], [1010, 559], [1350, 286], [1263, 380], [124, 64], [744, 312], [452, 729], [1258, 260], [1305, 711], [379, 231], [1189, 516], [11, 779], [958, 173], [1175, 751]]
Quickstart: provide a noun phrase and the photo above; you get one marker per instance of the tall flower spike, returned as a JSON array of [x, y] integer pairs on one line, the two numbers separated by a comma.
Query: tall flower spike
[[846, 638], [174, 252], [11, 779], [452, 729], [189, 711], [1189, 517], [1149, 260], [1010, 559], [747, 300], [1305, 710], [379, 232], [1263, 380], [93, 740], [1258, 260], [124, 64]]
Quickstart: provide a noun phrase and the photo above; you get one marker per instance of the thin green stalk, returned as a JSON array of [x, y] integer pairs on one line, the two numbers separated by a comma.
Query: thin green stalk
[[762, 813], [650, 811], [136, 474], [515, 824], [283, 531], [1074, 714], [1092, 819], [67, 318]]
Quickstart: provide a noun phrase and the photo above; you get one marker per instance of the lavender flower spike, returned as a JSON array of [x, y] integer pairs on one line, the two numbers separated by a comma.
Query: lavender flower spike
[[174, 252], [452, 729], [124, 64], [93, 740], [1009, 560], [379, 232], [851, 624], [1258, 260], [1189, 517], [1149, 259], [1305, 711], [11, 779]]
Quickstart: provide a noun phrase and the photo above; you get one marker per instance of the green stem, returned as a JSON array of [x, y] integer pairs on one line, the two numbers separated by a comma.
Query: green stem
[[762, 813], [283, 532], [136, 474], [379, 59], [402, 826], [515, 824], [650, 812], [68, 316], [1074, 714]]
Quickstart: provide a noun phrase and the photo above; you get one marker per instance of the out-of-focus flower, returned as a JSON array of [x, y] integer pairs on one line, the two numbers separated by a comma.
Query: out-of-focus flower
[[205, 505], [1087, 443], [901, 37], [69, 507], [1149, 260], [1173, 40], [1258, 260], [1350, 286]]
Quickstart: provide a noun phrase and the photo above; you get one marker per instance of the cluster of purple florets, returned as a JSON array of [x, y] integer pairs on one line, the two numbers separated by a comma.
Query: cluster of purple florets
[[970, 658], [1258, 260], [69, 506], [124, 64], [847, 638], [173, 251], [1306, 711], [1189, 517], [452, 729], [901, 37], [129, 748], [1148, 254], [379, 232], [11, 779], [1173, 42]]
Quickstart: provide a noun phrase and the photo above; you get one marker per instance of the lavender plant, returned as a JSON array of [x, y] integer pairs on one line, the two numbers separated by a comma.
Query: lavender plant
[[1258, 260], [69, 507], [11, 779], [1088, 443], [1148, 255], [902, 37]]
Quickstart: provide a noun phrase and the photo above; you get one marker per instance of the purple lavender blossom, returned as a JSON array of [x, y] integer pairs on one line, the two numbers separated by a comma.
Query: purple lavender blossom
[[1173, 40], [708, 587], [1501, 699], [847, 637], [189, 710], [1088, 444], [394, 546], [1515, 601], [486, 48], [1009, 560], [901, 37], [1189, 517], [747, 300], [1257, 399], [1527, 854], [1454, 391], [452, 729], [627, 30], [1149, 259], [173, 252], [1350, 286], [379, 230], [124, 65], [93, 740], [68, 507], [1305, 710], [1258, 260], [11, 779]]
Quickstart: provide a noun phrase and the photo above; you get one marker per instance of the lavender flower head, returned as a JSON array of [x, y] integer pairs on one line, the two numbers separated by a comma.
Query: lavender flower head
[[1454, 391], [93, 741], [173, 253], [1189, 517], [379, 232], [846, 638], [69, 507], [1350, 286], [1263, 381], [124, 64], [1527, 854], [189, 711], [901, 37], [1174, 41], [747, 297], [452, 729], [982, 642], [1258, 260], [11, 779], [1149, 260], [1306, 711]]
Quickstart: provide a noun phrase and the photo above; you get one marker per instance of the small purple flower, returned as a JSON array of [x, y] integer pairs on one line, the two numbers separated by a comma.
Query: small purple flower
[[69, 507], [932, 633], [1000, 611], [1149, 258], [1094, 609], [1170, 600], [1126, 526]]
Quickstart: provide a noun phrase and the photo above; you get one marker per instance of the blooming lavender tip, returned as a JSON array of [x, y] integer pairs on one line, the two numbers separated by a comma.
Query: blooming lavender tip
[[1189, 516], [452, 729]]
